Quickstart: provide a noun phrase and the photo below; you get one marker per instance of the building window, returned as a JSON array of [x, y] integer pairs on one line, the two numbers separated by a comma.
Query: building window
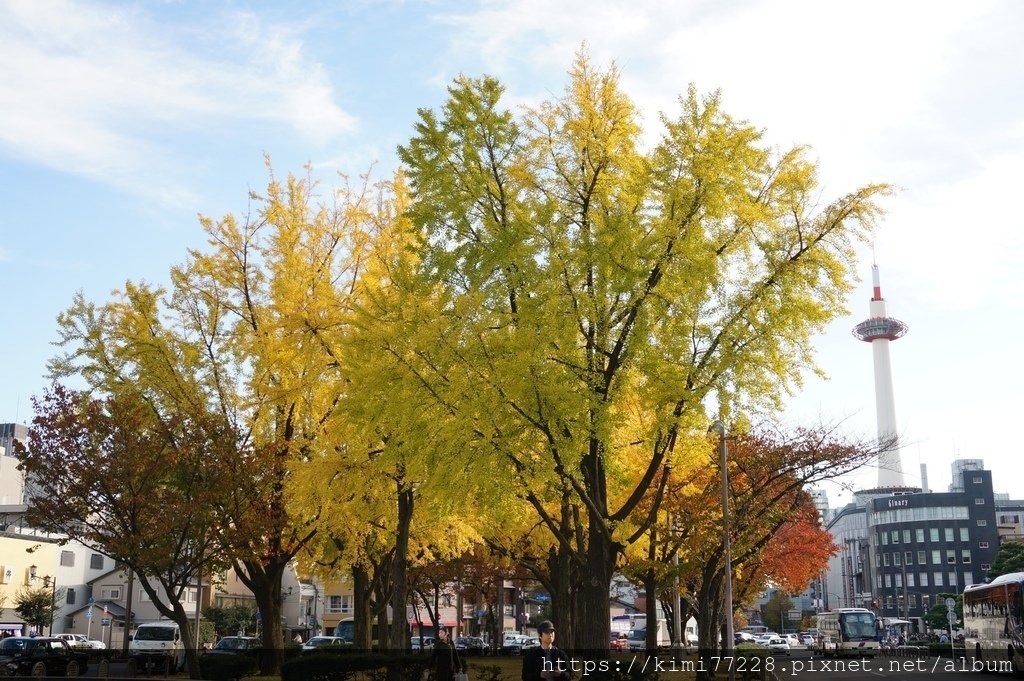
[[96, 561], [933, 533], [951, 556], [979, 501], [910, 579], [952, 578], [976, 480], [965, 556], [925, 598], [899, 581], [982, 523], [913, 600], [948, 532], [983, 545], [936, 557], [919, 533], [923, 578], [985, 567], [922, 557], [968, 578], [895, 536], [936, 579], [888, 581], [885, 539], [906, 536], [964, 534], [110, 593], [143, 596], [896, 558], [885, 559], [67, 558], [888, 602], [71, 597], [340, 604]]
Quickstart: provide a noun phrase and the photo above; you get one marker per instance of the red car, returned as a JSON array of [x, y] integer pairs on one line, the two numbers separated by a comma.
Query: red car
[[618, 641]]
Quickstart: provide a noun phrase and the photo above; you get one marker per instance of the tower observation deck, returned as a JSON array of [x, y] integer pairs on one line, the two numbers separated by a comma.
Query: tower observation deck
[[879, 330]]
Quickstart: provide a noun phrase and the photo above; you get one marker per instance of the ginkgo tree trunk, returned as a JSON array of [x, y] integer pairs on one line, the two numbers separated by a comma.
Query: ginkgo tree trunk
[[588, 295]]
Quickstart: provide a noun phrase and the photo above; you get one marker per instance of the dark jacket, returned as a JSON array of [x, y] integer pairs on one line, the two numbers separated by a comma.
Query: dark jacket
[[534, 663], [445, 661]]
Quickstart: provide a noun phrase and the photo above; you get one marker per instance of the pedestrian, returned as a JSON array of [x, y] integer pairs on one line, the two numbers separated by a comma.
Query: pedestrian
[[445, 660], [297, 638], [546, 662]]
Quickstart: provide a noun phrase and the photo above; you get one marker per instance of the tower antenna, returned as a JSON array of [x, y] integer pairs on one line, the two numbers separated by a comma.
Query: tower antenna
[[879, 330]]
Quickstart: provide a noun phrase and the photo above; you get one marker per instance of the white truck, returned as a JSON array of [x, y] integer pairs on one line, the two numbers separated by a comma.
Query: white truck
[[158, 645], [638, 635]]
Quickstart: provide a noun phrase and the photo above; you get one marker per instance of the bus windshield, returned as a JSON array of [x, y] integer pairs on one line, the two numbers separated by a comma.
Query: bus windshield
[[346, 629], [857, 625]]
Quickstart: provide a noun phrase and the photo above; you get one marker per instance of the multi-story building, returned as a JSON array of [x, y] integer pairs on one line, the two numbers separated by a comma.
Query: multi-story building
[[923, 545], [12, 481]]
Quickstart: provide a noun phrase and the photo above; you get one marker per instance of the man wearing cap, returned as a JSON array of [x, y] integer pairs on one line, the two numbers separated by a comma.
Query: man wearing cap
[[546, 663]]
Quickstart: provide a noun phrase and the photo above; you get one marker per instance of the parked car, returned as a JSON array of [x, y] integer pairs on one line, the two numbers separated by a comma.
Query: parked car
[[324, 644], [82, 641], [791, 639], [236, 645], [513, 644], [40, 656], [765, 637], [471, 645], [421, 643], [619, 641], [807, 639], [778, 645]]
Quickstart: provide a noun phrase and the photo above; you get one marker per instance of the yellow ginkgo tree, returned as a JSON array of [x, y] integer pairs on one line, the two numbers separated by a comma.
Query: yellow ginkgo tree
[[572, 269]]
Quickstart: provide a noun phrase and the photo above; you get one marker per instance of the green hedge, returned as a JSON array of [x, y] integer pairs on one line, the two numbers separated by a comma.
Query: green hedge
[[945, 650], [226, 667], [343, 666]]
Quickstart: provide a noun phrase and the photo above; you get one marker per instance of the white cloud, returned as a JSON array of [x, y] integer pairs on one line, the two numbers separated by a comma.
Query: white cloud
[[926, 95], [99, 90]]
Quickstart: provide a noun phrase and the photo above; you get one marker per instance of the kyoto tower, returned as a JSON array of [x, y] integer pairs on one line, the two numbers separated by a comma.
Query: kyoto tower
[[878, 330]]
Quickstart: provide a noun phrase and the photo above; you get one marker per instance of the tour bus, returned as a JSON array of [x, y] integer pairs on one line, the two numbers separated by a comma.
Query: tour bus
[[993, 617], [848, 631], [754, 629], [346, 630]]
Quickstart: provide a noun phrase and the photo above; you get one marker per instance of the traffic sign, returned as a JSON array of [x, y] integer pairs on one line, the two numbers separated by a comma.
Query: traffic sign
[[793, 615], [951, 616], [105, 621], [88, 613], [951, 604]]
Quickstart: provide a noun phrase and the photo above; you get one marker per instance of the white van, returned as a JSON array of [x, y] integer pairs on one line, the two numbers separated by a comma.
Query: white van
[[154, 641]]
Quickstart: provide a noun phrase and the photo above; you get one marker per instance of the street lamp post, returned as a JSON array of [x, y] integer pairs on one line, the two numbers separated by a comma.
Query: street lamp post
[[723, 463], [50, 583]]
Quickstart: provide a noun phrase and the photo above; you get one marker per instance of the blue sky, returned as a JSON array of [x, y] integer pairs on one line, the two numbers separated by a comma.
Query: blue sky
[[121, 121]]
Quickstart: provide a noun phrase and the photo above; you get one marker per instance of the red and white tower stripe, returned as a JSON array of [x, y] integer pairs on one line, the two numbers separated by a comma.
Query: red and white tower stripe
[[879, 330]]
